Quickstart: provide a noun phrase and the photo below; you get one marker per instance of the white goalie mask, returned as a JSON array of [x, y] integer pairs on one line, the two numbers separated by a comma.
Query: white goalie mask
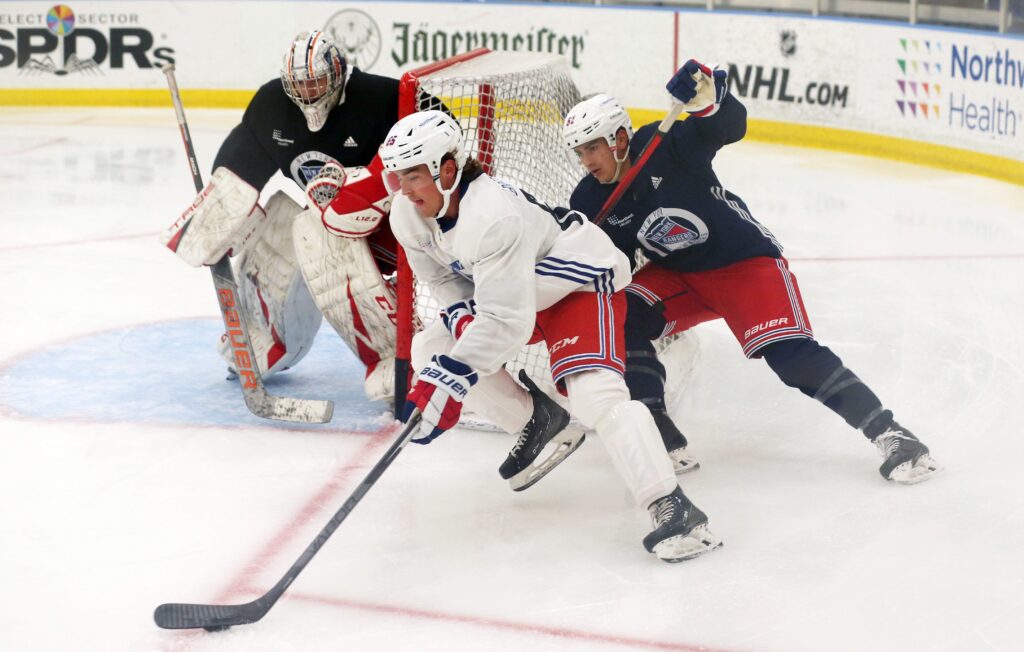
[[313, 75], [423, 138], [600, 116]]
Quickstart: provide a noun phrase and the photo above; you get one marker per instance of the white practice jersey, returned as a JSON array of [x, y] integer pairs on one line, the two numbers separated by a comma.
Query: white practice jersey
[[513, 256]]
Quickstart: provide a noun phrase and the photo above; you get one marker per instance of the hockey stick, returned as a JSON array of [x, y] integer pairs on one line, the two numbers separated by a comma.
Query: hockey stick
[[257, 399], [634, 170], [215, 617]]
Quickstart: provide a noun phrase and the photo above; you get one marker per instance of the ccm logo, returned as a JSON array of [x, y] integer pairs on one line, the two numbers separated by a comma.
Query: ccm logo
[[236, 337], [763, 326], [563, 343]]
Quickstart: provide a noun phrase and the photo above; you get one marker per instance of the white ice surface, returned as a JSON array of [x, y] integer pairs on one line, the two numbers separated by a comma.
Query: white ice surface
[[130, 474]]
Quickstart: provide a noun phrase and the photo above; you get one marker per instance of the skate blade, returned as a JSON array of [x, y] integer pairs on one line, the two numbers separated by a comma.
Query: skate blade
[[683, 462], [561, 446], [679, 548], [919, 470]]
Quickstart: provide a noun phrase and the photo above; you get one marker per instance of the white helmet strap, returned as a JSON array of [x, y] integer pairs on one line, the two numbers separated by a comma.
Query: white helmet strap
[[446, 194]]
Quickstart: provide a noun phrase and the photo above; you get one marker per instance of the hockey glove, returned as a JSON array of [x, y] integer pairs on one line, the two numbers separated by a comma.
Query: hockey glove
[[458, 316], [700, 89], [438, 393]]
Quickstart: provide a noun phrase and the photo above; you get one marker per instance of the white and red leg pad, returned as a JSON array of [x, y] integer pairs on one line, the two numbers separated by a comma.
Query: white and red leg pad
[[347, 286], [281, 317], [495, 397], [222, 219], [599, 399]]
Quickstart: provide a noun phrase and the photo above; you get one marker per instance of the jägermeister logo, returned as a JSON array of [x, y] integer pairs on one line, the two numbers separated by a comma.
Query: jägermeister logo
[[425, 45]]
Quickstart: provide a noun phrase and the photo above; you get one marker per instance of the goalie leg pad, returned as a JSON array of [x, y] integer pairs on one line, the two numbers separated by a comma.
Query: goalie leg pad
[[222, 219], [281, 317], [349, 290]]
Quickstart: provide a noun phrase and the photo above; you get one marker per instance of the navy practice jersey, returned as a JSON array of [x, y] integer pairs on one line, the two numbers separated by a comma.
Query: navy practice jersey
[[273, 134], [676, 210]]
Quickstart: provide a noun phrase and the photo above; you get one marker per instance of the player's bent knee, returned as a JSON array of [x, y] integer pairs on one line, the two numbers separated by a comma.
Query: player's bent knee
[[593, 394], [801, 363], [642, 319]]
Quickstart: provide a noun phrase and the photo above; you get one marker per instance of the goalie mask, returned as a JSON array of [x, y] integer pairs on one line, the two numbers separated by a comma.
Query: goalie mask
[[424, 138], [313, 75], [600, 116]]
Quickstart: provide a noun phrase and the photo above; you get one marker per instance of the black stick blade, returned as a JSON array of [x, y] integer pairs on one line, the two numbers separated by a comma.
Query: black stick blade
[[206, 616]]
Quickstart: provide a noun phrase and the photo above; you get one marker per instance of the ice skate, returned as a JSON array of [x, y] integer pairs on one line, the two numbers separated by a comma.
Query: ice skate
[[680, 529], [675, 443], [524, 465], [907, 460]]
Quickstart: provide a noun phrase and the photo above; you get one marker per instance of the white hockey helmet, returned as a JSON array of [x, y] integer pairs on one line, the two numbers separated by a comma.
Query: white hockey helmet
[[423, 138], [314, 74], [600, 116]]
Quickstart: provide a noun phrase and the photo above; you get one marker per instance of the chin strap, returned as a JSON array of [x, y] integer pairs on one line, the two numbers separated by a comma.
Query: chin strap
[[447, 194], [618, 168]]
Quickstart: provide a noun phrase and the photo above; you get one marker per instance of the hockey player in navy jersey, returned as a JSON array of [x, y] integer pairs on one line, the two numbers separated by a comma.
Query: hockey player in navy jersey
[[710, 259], [293, 265]]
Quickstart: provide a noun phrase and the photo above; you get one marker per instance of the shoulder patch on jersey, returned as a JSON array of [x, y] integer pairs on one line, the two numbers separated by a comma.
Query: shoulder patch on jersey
[[281, 140], [668, 230]]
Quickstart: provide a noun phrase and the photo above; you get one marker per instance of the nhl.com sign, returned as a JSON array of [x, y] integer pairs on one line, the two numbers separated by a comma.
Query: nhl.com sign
[[61, 42], [359, 37]]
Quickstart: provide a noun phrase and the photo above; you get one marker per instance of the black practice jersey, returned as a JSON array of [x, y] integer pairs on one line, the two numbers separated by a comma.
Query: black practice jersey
[[273, 134], [676, 210]]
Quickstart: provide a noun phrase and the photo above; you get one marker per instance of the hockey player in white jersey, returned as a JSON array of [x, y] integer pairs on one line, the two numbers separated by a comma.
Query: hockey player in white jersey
[[508, 266]]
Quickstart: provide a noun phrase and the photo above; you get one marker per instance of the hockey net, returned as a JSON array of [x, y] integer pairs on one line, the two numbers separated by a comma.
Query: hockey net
[[510, 106]]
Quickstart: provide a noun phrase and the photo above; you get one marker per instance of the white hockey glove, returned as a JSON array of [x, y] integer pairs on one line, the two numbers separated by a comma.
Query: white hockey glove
[[221, 220], [458, 316], [351, 201], [700, 89], [438, 393]]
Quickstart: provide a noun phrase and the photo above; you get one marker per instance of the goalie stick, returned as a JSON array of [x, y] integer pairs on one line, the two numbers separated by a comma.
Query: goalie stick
[[257, 399], [215, 617], [641, 160]]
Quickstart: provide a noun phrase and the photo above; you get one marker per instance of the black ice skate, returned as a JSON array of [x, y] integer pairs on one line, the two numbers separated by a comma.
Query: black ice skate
[[907, 460], [549, 423], [675, 443], [680, 529]]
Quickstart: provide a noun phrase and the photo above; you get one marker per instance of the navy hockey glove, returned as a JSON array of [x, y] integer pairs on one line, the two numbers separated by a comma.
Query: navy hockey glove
[[457, 316], [699, 88], [438, 393]]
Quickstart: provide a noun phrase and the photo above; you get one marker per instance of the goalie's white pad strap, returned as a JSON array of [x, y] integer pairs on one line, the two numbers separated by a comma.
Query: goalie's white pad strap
[[600, 400], [281, 316], [348, 288], [222, 219], [360, 204]]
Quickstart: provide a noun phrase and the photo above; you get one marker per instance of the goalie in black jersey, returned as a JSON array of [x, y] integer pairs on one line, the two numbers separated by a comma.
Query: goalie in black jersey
[[710, 259], [320, 124]]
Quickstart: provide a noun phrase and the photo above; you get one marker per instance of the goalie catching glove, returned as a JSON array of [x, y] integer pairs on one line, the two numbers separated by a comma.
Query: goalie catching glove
[[438, 393], [699, 88], [222, 219], [351, 201]]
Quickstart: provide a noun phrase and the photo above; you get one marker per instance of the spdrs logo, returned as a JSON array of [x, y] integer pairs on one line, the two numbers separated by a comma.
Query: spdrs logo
[[61, 42]]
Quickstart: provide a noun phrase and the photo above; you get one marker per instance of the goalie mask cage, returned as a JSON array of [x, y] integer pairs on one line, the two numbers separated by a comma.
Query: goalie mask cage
[[510, 106]]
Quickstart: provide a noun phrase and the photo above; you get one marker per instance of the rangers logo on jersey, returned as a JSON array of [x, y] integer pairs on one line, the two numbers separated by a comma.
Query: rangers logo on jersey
[[307, 165], [671, 229]]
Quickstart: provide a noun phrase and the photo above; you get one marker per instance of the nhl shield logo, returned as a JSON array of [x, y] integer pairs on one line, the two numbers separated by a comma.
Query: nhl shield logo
[[668, 230]]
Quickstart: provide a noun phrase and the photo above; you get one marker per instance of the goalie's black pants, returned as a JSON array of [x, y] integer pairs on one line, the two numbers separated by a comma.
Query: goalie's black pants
[[801, 363]]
